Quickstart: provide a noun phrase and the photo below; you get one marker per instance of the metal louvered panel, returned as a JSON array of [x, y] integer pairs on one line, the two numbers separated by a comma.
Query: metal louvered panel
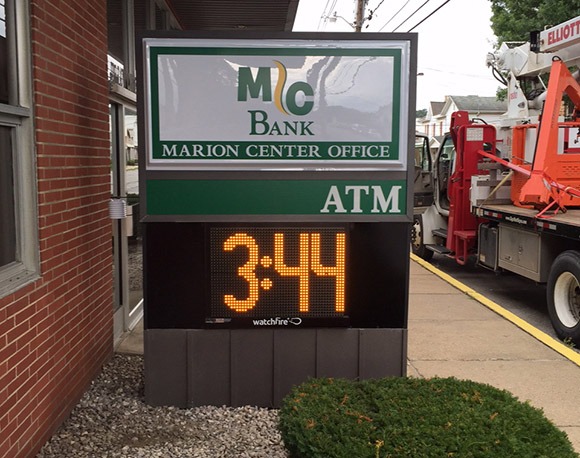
[[276, 15]]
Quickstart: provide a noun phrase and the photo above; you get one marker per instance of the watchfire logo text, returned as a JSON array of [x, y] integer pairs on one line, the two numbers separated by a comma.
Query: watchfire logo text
[[295, 99], [277, 321]]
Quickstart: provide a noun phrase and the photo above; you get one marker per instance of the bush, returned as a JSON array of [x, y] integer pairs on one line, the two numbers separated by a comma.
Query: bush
[[418, 418]]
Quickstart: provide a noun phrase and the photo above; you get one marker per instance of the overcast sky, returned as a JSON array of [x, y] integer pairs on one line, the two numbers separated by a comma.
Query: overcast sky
[[453, 43]]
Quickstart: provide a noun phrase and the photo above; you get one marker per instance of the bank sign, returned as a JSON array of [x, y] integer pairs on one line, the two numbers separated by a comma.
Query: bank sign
[[257, 118]]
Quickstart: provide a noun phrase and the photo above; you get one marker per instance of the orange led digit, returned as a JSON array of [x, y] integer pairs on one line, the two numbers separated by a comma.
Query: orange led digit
[[247, 271], [301, 271], [337, 271], [269, 271]]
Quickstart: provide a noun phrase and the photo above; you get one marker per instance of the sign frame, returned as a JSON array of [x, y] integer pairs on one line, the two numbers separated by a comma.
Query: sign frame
[[190, 361], [300, 174]]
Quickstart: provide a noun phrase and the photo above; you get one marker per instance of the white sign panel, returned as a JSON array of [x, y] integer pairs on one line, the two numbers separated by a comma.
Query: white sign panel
[[276, 104]]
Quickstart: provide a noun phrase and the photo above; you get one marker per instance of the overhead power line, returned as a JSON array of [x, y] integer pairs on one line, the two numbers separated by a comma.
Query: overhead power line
[[378, 6], [393, 16], [372, 12], [411, 15], [328, 9], [418, 24], [323, 15]]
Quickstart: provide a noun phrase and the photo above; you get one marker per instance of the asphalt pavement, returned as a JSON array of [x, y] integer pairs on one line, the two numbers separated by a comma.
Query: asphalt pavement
[[522, 296]]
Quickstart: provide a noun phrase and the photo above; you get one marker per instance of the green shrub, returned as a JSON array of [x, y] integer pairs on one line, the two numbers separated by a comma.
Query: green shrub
[[415, 418]]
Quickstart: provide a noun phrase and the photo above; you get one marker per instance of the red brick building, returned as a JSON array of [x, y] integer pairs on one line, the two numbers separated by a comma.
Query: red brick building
[[65, 121]]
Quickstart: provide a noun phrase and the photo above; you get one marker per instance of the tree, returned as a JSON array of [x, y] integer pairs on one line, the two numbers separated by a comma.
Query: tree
[[421, 113], [501, 94], [513, 20]]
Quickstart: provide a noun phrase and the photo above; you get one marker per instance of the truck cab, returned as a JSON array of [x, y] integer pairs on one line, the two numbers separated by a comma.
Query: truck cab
[[443, 168], [423, 179], [518, 209], [432, 208]]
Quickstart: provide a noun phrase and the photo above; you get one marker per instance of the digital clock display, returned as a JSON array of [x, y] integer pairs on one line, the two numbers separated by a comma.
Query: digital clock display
[[277, 272], [267, 274]]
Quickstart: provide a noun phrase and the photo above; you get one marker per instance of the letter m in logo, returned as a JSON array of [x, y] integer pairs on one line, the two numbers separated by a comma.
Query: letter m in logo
[[261, 84]]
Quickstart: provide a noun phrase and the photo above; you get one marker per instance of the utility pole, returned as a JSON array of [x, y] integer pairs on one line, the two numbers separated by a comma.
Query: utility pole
[[360, 12]]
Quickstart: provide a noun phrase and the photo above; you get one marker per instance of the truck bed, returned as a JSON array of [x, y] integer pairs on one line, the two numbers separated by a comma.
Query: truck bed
[[561, 224]]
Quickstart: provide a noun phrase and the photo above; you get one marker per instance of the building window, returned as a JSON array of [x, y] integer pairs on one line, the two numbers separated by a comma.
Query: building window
[[7, 217], [19, 258], [3, 54]]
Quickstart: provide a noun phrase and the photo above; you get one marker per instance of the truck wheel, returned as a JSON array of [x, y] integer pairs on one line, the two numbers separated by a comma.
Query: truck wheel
[[417, 245], [564, 296]]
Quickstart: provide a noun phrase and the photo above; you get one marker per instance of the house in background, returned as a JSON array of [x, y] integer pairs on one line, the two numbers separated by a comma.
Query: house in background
[[438, 119], [427, 125], [423, 125]]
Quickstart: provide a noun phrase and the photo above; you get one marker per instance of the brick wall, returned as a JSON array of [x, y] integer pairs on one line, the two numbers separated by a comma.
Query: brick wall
[[55, 334]]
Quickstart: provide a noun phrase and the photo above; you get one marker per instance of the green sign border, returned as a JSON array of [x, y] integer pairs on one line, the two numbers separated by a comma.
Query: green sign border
[[156, 51], [264, 197]]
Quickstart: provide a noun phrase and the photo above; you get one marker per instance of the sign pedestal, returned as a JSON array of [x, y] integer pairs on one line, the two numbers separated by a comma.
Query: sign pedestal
[[276, 175], [192, 367]]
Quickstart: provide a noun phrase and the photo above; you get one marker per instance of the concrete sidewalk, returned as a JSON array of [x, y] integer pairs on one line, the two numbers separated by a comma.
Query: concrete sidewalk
[[453, 334]]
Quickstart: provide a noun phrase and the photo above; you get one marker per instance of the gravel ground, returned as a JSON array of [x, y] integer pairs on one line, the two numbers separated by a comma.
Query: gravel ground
[[111, 420]]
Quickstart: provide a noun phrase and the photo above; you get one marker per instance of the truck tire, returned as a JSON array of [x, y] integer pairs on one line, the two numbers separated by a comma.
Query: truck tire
[[417, 245], [564, 296]]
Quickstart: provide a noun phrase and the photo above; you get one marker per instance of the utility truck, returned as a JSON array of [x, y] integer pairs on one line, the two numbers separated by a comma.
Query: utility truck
[[508, 195]]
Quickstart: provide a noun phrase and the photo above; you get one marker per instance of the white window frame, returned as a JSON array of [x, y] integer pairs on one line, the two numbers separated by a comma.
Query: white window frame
[[18, 116]]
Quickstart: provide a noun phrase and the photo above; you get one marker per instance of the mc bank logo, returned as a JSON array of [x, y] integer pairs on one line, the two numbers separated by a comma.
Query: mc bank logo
[[294, 100]]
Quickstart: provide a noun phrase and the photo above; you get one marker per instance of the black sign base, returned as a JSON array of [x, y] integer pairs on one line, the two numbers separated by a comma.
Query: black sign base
[[194, 367]]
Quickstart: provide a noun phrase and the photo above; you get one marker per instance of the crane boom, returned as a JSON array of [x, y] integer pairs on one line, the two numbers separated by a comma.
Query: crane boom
[[535, 57], [521, 65], [563, 36]]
